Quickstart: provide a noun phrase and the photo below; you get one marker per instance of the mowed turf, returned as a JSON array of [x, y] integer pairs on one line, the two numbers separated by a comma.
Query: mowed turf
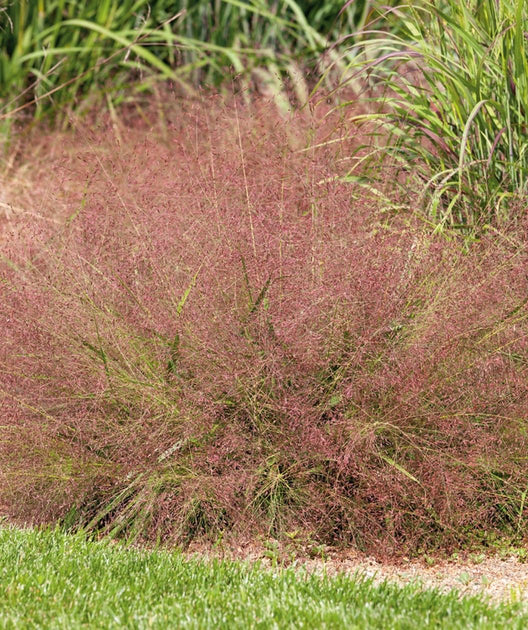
[[49, 579]]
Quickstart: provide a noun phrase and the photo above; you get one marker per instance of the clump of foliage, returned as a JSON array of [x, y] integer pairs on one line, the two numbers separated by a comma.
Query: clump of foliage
[[217, 340], [454, 104], [54, 53]]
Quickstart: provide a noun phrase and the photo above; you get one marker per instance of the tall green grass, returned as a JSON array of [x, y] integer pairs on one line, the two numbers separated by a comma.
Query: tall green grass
[[454, 104], [52, 53]]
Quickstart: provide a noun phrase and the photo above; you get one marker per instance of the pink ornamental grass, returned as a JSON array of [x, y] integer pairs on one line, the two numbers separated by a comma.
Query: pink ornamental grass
[[218, 339]]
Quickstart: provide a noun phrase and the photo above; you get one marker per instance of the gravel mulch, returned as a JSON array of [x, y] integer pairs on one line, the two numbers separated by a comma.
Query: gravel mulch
[[500, 578]]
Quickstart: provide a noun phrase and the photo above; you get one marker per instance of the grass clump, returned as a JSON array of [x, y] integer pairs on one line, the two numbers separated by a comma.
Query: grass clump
[[64, 581], [58, 53], [455, 89], [216, 341]]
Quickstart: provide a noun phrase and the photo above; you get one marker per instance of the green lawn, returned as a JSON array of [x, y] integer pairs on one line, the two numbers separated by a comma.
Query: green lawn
[[53, 580]]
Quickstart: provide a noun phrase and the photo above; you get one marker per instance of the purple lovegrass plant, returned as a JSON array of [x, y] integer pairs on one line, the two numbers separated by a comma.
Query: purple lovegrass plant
[[216, 338]]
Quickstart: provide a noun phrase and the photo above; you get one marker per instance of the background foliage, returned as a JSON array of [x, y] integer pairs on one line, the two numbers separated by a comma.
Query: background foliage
[[455, 88], [77, 46]]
